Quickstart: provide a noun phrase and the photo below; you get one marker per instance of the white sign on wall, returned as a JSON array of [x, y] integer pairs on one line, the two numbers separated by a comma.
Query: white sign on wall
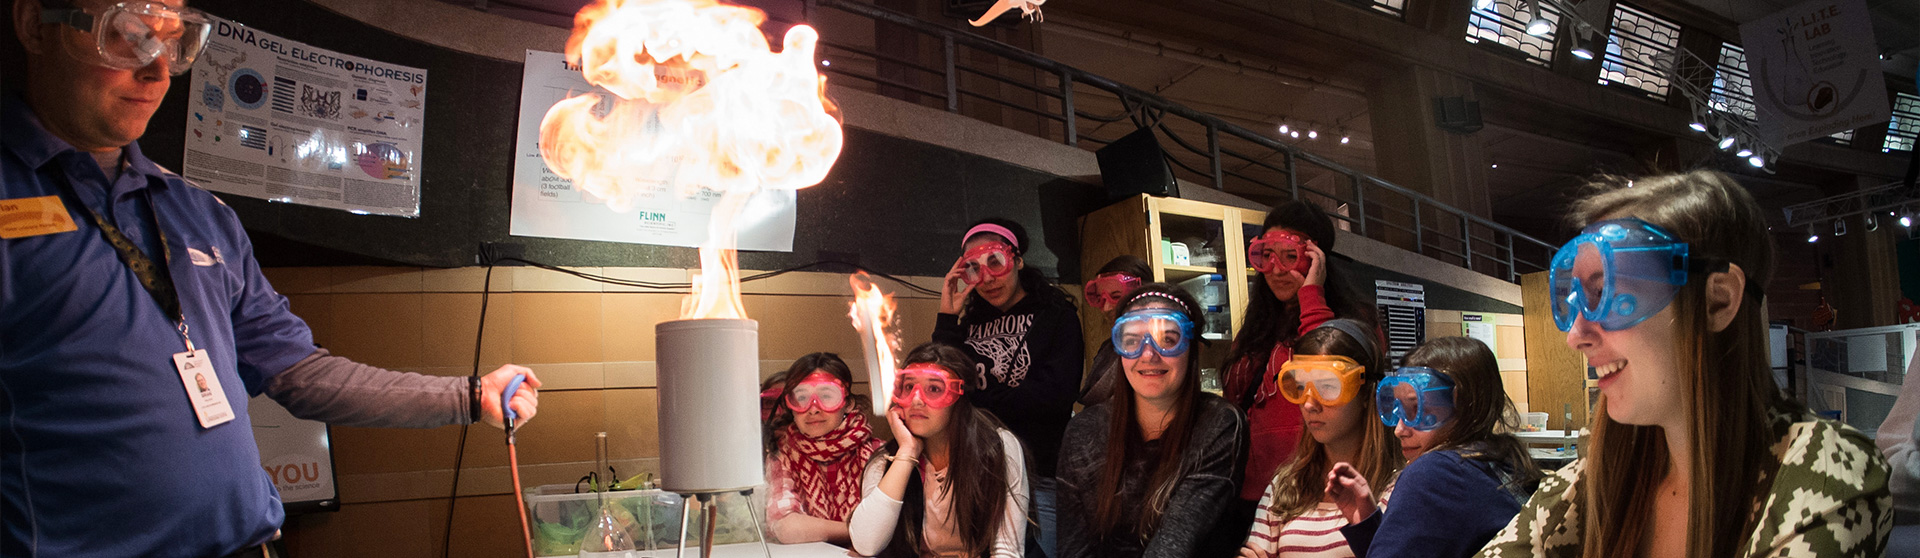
[[296, 453], [279, 120], [547, 205], [1816, 71]]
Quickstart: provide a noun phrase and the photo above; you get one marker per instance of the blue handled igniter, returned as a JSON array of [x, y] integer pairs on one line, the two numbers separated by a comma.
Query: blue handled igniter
[[506, 398]]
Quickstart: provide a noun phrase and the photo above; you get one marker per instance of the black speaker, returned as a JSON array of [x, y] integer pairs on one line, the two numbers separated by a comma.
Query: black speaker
[[1135, 164], [1456, 114]]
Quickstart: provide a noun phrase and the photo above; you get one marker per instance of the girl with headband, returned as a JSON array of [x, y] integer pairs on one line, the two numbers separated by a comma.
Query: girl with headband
[[813, 478], [1464, 480], [1298, 289], [1152, 471], [1154, 468], [953, 482], [1693, 450], [1331, 378], [1024, 337], [1107, 291]]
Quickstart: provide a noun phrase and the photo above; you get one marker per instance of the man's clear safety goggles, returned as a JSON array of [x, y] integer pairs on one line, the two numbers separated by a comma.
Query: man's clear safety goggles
[[132, 35]]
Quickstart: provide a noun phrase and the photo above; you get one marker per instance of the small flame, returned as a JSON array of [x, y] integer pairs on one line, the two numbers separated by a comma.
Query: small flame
[[701, 107], [872, 314]]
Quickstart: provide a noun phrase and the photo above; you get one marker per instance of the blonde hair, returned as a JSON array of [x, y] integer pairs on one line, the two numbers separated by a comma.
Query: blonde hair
[[1725, 376]]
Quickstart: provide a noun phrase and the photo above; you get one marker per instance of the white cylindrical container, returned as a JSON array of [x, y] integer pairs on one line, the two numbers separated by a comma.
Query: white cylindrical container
[[708, 373]]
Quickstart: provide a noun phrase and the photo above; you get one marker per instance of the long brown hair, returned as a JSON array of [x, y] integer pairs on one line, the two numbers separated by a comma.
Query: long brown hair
[[1725, 375], [1480, 404], [1300, 485], [1123, 426], [976, 469]]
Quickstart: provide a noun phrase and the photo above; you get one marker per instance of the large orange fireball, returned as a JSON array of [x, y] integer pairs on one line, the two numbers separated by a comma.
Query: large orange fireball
[[703, 108]]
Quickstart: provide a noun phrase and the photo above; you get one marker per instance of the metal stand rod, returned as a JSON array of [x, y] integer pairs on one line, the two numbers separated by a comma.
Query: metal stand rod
[[713, 516], [686, 514], [757, 530]]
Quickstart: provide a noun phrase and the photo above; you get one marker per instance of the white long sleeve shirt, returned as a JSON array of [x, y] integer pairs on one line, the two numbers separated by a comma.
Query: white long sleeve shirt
[[873, 521]]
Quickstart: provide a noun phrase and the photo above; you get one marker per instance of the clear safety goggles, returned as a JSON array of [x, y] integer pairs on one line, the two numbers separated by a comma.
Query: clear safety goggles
[[932, 384], [1619, 272], [1168, 331], [1418, 396], [1333, 380], [131, 35], [819, 390], [1106, 290], [986, 262], [1279, 250]]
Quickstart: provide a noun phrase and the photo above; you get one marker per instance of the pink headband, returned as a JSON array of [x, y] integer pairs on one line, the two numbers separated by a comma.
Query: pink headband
[[992, 228]]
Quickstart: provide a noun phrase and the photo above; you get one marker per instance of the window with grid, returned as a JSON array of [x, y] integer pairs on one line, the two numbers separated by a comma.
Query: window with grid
[[1732, 85], [1505, 22], [1905, 125], [1636, 39], [1395, 8]]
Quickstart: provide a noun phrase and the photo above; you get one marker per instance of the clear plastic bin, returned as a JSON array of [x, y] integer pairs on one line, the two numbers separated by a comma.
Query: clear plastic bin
[[560, 518]]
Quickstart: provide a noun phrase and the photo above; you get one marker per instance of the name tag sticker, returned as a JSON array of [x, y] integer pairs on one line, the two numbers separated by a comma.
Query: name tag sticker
[[24, 217], [203, 388]]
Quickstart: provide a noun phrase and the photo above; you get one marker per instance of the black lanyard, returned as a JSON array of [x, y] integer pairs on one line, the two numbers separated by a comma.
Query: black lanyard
[[157, 279]]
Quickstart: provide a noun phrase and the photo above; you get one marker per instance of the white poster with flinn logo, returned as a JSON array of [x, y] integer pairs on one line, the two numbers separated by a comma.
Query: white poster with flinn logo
[[547, 205], [1816, 71], [279, 120]]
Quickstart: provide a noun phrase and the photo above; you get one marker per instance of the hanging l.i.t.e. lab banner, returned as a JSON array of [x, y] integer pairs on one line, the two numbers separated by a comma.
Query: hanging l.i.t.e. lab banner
[[279, 120], [1815, 71]]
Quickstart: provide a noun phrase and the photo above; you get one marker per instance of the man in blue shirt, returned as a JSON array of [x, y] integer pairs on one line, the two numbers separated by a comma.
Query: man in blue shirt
[[123, 290]]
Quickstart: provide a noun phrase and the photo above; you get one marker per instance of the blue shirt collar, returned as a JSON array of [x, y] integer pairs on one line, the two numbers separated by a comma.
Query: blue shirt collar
[[34, 145]]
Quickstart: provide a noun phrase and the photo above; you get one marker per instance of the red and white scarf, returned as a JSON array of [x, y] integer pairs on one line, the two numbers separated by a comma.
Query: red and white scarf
[[826, 470]]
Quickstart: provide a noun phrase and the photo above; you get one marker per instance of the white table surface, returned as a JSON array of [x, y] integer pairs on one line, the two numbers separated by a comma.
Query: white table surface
[[752, 550], [1548, 436]]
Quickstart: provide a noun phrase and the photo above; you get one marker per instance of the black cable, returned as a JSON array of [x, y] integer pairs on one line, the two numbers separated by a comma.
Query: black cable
[[460, 449]]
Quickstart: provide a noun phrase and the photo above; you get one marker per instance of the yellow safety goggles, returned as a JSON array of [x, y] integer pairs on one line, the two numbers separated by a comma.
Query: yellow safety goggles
[[1333, 380]]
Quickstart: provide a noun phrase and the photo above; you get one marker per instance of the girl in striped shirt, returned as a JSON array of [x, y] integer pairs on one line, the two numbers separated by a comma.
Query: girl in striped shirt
[[1332, 377]]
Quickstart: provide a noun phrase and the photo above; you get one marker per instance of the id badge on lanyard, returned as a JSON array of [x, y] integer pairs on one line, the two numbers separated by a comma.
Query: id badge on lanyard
[[197, 374]]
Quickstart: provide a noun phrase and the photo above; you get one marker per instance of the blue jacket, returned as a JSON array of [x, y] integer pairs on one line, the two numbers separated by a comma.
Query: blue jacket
[[1444, 506]]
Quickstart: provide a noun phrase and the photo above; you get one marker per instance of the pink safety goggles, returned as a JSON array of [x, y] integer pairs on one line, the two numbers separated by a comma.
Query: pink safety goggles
[[986, 262], [818, 390], [1279, 250], [1106, 290], [936, 387]]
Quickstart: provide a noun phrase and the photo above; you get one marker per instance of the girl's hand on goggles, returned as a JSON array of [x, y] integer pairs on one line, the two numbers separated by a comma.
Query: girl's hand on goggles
[[953, 298], [1316, 267]]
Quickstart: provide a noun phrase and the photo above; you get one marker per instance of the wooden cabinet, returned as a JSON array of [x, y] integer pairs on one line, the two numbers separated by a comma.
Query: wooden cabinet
[[1216, 237]]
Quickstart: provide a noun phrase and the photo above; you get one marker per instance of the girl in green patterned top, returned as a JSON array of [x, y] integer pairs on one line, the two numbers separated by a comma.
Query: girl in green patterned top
[[1693, 451]]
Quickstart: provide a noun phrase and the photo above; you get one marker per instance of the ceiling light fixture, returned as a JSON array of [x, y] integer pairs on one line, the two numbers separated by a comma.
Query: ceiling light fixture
[[1537, 26]]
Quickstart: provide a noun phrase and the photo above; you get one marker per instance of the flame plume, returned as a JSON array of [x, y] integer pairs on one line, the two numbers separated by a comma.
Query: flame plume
[[701, 107], [872, 314]]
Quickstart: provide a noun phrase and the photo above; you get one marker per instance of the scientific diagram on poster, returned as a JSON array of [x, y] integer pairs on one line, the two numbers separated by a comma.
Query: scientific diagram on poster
[[547, 205], [279, 120]]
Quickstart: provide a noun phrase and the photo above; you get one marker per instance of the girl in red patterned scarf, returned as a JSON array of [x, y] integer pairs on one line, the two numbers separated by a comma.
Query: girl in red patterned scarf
[[824, 443]]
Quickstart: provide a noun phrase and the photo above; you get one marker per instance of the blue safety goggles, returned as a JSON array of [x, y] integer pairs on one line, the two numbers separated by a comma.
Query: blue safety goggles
[[1419, 396], [1619, 272], [1169, 331]]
